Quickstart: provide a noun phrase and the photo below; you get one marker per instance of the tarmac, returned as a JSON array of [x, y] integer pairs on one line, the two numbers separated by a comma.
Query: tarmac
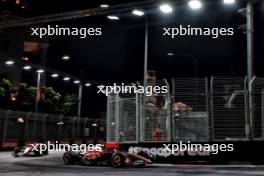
[[52, 164]]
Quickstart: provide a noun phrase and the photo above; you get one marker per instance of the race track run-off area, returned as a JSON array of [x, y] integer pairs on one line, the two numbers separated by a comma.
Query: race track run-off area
[[52, 164]]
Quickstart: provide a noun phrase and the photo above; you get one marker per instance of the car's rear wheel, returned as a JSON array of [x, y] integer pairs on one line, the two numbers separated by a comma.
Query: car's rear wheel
[[118, 159], [67, 158]]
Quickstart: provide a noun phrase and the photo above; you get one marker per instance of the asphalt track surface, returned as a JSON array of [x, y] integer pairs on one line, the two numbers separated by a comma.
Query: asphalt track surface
[[52, 165]]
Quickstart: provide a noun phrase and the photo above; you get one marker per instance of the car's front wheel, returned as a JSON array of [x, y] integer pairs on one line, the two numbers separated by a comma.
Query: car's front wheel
[[118, 159], [16, 152]]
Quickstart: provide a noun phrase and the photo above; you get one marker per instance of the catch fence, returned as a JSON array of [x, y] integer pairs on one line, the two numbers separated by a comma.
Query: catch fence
[[197, 110], [20, 128]]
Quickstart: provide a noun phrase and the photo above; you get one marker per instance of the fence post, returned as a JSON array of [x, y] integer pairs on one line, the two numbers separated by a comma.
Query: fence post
[[117, 132], [73, 127], [207, 106], [212, 136], [5, 126], [141, 117], [78, 127], [108, 116], [262, 113], [247, 111], [168, 113], [44, 128], [109, 113], [87, 130], [251, 114], [171, 109], [26, 126], [137, 119], [35, 125], [59, 127]]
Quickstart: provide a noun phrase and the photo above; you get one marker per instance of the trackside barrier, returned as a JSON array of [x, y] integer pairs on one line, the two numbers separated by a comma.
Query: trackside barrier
[[20, 128], [229, 108], [194, 109], [190, 110], [197, 110], [257, 94], [155, 116]]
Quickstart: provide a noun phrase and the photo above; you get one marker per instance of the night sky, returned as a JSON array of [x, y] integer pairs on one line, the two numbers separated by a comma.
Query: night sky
[[118, 55]]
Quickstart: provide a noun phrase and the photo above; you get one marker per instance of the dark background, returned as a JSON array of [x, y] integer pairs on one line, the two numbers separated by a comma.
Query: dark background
[[118, 55]]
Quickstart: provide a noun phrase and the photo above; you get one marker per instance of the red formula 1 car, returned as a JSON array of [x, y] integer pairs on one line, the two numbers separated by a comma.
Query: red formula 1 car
[[28, 150], [106, 156]]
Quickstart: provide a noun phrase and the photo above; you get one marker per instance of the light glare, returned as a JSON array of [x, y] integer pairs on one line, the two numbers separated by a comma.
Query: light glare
[[40, 71], [113, 17], [9, 62], [229, 1], [27, 67], [66, 57], [76, 82], [138, 12], [165, 8], [66, 78], [104, 5], [195, 4], [94, 125], [54, 75]]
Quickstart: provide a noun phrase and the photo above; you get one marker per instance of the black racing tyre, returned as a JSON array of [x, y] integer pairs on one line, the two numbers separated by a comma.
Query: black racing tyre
[[37, 153], [118, 159], [68, 158], [46, 152], [16, 151]]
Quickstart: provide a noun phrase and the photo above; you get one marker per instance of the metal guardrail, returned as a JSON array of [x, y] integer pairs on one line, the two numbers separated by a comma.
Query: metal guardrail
[[21, 126]]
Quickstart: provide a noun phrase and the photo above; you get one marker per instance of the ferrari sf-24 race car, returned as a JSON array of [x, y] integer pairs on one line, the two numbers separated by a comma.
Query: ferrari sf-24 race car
[[107, 156], [29, 150]]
